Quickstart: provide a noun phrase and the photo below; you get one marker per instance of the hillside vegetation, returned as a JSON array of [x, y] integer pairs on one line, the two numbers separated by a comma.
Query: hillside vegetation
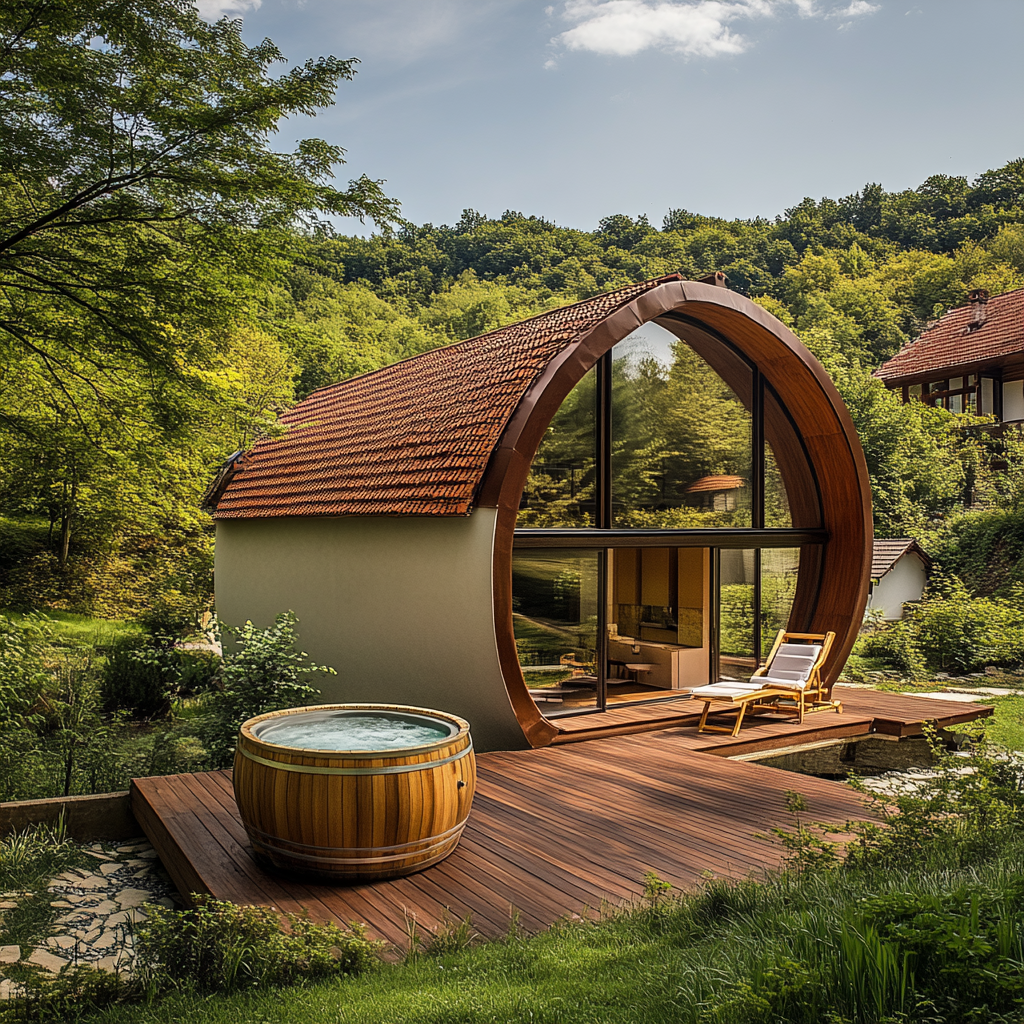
[[103, 473]]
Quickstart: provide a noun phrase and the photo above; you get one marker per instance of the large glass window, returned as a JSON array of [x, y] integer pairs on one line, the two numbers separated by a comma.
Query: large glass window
[[779, 570], [555, 620], [560, 490], [737, 601], [673, 431], [680, 437]]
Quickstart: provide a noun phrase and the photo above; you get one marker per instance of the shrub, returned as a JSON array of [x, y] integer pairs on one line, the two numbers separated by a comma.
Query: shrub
[[221, 947], [143, 675], [964, 633], [262, 671], [898, 646], [952, 631], [967, 809]]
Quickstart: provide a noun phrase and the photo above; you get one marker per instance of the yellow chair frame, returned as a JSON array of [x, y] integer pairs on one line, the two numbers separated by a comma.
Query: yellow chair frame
[[814, 696]]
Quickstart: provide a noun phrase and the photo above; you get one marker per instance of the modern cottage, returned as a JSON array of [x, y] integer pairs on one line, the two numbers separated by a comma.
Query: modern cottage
[[602, 506], [972, 360]]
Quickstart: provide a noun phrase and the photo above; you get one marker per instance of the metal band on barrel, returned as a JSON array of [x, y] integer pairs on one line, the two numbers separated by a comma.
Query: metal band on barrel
[[391, 769], [378, 854]]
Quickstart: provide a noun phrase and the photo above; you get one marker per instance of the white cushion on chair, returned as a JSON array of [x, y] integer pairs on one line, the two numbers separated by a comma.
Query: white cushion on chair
[[726, 690], [791, 667]]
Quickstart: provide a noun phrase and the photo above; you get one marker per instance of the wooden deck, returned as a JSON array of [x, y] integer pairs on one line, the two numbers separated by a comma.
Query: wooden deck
[[553, 832]]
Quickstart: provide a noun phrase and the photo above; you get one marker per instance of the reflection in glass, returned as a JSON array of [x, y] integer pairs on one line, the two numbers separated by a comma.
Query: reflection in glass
[[779, 570], [554, 617], [680, 438], [736, 603], [560, 488], [776, 501]]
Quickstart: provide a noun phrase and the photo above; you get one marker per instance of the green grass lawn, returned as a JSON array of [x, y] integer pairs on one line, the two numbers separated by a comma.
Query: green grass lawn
[[759, 952], [81, 628]]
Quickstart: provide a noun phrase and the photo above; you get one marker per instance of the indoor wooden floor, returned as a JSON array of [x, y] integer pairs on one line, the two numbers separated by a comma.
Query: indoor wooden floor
[[553, 832]]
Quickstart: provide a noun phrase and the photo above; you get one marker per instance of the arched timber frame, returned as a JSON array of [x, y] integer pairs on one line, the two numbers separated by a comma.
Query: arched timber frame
[[810, 431]]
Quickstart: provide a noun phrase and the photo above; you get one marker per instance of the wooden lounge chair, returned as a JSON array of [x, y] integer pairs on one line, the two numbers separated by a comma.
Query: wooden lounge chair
[[789, 683]]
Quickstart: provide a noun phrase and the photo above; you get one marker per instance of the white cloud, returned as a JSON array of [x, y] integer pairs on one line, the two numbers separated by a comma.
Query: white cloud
[[856, 9], [214, 10], [625, 27], [693, 28]]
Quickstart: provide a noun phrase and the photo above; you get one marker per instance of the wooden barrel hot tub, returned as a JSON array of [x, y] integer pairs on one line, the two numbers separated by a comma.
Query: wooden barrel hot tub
[[385, 792]]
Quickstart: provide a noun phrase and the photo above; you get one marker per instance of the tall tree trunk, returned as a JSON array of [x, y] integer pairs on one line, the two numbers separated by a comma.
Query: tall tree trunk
[[67, 514]]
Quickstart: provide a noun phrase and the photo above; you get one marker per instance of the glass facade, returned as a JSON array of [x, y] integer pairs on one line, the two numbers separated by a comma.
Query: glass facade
[[670, 433], [555, 597], [779, 570], [560, 490], [680, 437]]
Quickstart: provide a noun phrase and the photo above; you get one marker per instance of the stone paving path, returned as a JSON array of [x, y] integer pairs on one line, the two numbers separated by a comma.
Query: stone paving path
[[99, 906]]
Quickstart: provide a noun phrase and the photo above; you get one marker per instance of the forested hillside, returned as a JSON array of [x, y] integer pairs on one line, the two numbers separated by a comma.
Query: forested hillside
[[103, 471]]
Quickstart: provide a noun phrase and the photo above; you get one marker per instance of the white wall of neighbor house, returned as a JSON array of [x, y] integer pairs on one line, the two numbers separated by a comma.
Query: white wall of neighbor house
[[1013, 400], [401, 607], [905, 581]]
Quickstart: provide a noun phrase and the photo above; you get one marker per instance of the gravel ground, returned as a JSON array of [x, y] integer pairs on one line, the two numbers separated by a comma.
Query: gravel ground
[[99, 906]]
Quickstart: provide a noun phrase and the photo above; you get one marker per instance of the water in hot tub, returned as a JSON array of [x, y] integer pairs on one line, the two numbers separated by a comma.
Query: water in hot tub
[[353, 732]]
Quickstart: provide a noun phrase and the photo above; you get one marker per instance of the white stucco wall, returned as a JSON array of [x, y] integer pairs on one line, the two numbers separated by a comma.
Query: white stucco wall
[[1013, 400], [903, 582], [400, 606]]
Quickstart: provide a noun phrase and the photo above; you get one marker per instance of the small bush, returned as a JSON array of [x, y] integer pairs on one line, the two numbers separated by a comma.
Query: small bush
[[965, 811], [143, 675], [898, 646], [221, 947], [262, 671], [34, 855], [74, 994], [952, 631]]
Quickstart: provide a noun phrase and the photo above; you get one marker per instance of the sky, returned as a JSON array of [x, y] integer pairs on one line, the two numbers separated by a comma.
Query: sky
[[579, 109]]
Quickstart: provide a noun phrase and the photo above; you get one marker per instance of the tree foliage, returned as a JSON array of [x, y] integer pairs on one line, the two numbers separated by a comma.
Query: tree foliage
[[168, 284]]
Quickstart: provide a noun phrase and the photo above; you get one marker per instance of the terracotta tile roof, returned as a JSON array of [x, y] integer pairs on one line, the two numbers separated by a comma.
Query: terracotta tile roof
[[413, 438], [886, 553], [950, 343], [716, 483]]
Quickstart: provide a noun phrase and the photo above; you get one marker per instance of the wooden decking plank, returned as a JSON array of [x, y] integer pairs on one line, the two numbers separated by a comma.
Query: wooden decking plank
[[565, 863], [575, 894], [561, 859], [641, 785], [457, 895], [749, 793], [560, 830], [186, 831], [490, 884], [262, 886], [614, 843], [566, 820], [179, 865], [644, 834], [518, 889], [342, 904], [298, 891], [219, 786]]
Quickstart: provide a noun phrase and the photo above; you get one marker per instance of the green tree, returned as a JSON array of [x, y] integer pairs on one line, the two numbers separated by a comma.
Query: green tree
[[135, 162]]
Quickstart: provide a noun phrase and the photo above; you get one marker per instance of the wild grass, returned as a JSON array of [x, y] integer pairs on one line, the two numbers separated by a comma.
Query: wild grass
[[28, 861]]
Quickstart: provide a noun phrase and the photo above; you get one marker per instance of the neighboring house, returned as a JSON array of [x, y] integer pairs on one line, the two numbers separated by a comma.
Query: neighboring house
[[971, 360], [716, 492], [899, 572], [386, 519]]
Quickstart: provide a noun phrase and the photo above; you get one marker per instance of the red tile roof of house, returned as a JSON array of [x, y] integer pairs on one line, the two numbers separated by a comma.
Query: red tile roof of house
[[951, 344], [886, 553], [716, 483], [413, 438]]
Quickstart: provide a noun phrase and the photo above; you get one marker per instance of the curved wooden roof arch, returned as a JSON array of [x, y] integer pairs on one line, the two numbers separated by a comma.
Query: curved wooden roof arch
[[457, 428]]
